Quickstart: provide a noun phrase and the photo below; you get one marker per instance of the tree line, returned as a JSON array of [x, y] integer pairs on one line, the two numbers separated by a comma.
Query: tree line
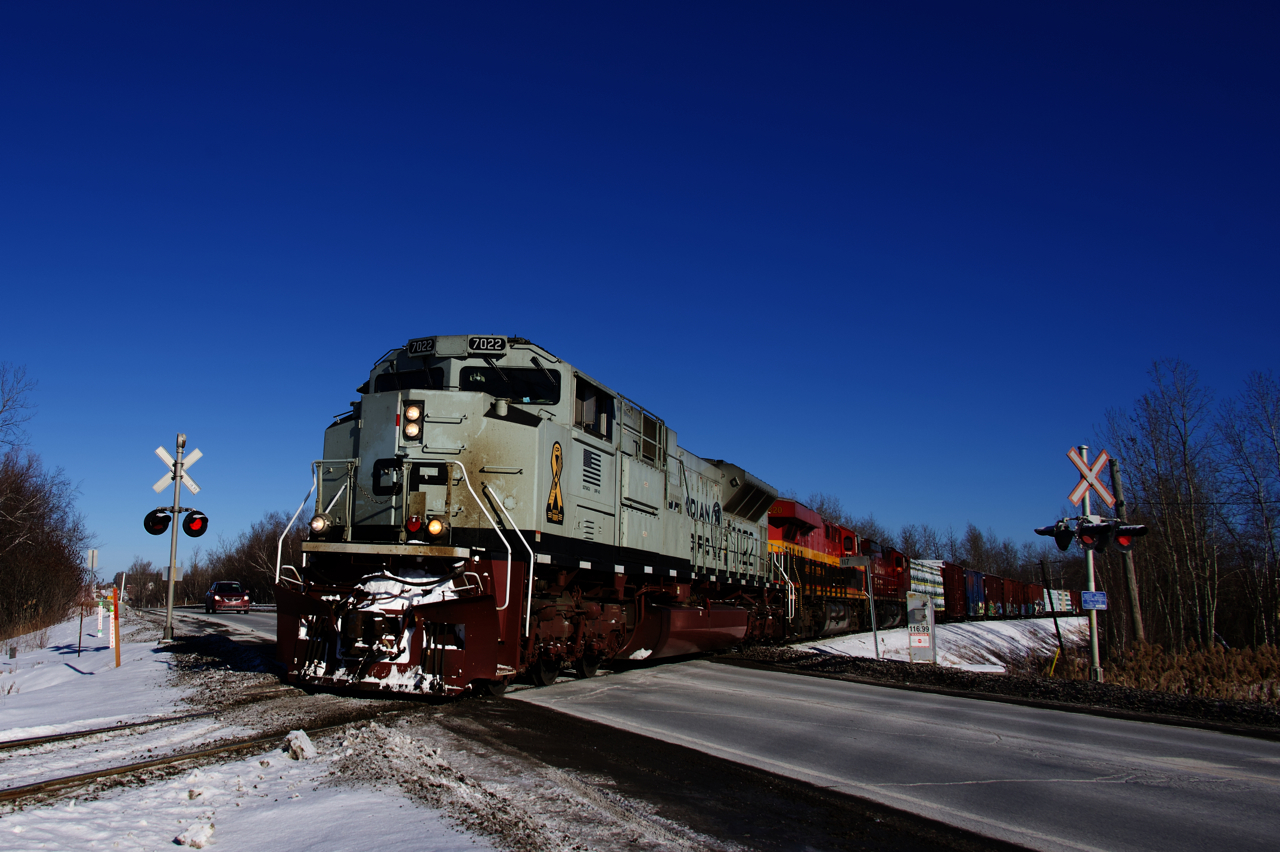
[[972, 548], [42, 536], [1203, 475]]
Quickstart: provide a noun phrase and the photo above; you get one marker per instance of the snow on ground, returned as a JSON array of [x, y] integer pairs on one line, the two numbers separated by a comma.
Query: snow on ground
[[269, 801], [975, 645], [399, 788], [52, 688], [266, 802]]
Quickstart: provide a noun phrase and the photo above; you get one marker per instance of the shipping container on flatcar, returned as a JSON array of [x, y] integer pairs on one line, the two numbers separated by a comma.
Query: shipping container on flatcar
[[926, 579], [953, 592], [1057, 601], [975, 593], [993, 588]]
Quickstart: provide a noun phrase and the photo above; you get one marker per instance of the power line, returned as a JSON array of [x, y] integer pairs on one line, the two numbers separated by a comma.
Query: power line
[[1204, 503]]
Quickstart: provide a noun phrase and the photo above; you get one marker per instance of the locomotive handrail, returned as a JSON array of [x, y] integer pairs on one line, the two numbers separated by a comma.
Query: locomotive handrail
[[506, 598], [329, 508], [528, 607], [777, 561], [315, 478]]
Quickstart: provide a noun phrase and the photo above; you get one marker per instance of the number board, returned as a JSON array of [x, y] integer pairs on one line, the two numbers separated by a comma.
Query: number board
[[487, 345], [422, 346]]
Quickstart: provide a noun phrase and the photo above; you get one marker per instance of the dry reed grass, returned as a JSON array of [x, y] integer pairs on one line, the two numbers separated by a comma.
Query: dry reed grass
[[1240, 674]]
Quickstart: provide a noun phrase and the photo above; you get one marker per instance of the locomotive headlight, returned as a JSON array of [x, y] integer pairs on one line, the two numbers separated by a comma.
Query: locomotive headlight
[[435, 526], [320, 523], [411, 429], [412, 412]]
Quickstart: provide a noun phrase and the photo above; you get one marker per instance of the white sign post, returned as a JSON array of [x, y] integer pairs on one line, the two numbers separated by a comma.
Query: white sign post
[[920, 632]]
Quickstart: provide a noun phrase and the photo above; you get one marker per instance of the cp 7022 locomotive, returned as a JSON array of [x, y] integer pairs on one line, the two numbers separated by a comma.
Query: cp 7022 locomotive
[[486, 511]]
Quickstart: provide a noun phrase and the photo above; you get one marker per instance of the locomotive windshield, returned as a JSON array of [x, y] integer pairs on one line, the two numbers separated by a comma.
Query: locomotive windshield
[[430, 379], [518, 384]]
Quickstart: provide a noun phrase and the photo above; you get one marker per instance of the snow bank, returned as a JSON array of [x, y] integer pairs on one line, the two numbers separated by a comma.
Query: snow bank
[[53, 689], [272, 801], [976, 645]]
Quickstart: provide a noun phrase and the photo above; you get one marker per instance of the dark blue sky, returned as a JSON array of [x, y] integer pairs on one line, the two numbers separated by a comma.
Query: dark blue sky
[[906, 253]]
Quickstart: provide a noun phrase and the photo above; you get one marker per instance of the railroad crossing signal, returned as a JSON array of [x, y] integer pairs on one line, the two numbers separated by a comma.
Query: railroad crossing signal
[[167, 479], [1089, 478]]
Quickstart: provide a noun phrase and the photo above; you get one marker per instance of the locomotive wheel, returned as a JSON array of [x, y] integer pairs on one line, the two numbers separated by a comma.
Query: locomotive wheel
[[585, 667], [544, 672], [496, 688]]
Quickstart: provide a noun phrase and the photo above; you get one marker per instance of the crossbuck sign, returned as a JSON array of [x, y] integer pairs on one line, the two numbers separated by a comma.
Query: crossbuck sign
[[1089, 478], [167, 479]]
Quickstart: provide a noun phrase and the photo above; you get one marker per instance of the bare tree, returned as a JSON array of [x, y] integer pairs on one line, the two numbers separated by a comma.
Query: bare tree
[[826, 505], [930, 542], [42, 542], [15, 409], [1170, 445], [1250, 430]]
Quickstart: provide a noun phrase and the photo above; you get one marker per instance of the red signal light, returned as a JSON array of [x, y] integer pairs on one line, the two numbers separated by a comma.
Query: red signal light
[[195, 524], [156, 521]]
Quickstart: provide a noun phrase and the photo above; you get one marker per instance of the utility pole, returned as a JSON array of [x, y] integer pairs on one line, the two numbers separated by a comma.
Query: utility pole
[[173, 539], [871, 598], [1135, 611], [1095, 667], [1044, 578]]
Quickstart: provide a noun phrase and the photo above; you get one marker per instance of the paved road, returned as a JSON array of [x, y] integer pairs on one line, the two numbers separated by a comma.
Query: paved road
[[255, 626], [1041, 778]]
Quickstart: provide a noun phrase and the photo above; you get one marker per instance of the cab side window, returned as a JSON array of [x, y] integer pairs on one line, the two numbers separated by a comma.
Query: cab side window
[[593, 409]]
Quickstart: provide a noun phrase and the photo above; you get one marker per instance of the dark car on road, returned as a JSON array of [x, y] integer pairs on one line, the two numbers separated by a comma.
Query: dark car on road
[[226, 596]]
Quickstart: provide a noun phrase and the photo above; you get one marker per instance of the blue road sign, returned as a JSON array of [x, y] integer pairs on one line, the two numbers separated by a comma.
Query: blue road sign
[[1093, 600]]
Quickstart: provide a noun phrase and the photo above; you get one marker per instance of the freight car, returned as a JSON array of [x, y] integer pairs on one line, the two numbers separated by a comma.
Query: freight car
[[971, 595]]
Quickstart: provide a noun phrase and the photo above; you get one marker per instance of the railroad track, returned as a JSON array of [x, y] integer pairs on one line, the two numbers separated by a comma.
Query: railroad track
[[69, 782], [158, 721], [129, 761]]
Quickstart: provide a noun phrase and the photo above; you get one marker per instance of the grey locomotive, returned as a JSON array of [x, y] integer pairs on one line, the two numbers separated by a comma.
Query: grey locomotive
[[486, 510]]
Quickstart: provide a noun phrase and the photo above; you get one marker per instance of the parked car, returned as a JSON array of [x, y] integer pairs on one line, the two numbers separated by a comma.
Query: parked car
[[226, 596]]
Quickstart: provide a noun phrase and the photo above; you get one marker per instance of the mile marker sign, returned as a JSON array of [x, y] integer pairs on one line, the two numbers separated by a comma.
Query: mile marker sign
[[1089, 478], [165, 480]]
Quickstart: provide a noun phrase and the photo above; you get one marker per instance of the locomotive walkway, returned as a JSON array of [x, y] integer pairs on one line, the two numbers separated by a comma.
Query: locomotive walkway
[[1043, 779]]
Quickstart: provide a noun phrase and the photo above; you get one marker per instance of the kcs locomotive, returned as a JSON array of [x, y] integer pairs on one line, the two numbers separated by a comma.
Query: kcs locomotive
[[486, 511]]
